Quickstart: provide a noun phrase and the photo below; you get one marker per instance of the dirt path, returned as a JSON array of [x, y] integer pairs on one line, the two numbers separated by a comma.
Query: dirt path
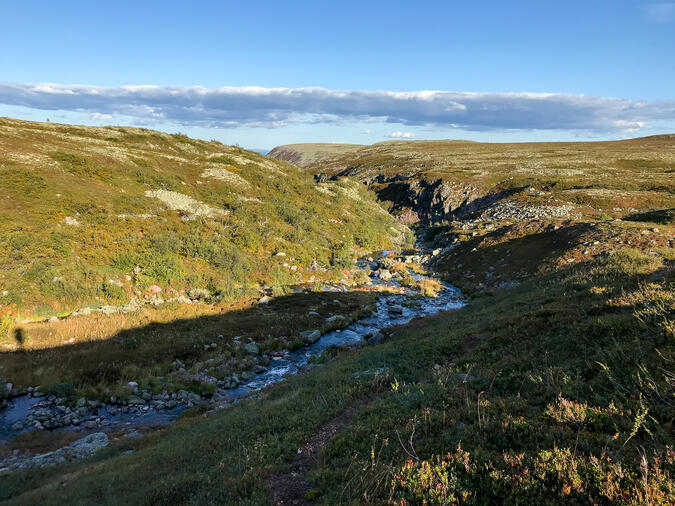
[[289, 486]]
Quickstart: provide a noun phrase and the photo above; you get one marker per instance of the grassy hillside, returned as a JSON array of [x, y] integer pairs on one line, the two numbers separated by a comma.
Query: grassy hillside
[[307, 155], [554, 385], [611, 178], [558, 391], [98, 216]]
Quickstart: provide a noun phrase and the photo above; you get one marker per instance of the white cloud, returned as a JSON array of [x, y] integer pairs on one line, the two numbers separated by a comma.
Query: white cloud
[[660, 12], [401, 135], [229, 107], [100, 116]]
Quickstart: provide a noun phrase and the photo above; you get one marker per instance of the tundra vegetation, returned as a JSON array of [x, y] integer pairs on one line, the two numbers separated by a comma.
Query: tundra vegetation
[[554, 385]]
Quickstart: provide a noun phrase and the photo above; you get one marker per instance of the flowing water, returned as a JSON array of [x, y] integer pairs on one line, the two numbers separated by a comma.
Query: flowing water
[[391, 310]]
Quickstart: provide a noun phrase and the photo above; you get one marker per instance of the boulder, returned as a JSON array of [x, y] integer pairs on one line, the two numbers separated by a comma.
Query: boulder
[[384, 274], [311, 336], [252, 348]]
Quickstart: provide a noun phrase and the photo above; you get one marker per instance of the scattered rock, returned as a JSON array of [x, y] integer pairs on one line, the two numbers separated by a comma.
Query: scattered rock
[[81, 448]]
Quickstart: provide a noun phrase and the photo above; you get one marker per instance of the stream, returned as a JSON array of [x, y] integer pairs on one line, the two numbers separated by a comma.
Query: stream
[[392, 309]]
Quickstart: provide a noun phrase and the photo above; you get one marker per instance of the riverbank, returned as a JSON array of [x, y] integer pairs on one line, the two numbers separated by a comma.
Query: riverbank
[[147, 406]]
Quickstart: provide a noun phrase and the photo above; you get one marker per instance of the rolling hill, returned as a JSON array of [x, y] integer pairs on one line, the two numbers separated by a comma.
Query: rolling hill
[[93, 217]]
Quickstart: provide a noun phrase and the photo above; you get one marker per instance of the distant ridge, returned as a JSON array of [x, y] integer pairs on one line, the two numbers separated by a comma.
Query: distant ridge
[[308, 154]]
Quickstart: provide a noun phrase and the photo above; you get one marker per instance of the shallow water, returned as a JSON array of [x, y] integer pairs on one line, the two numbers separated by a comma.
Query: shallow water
[[449, 298]]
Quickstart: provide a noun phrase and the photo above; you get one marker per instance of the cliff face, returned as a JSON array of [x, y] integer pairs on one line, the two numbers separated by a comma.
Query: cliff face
[[429, 201]]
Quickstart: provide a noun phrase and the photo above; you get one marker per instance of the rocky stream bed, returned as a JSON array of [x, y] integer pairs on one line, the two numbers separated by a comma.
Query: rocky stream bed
[[143, 410]]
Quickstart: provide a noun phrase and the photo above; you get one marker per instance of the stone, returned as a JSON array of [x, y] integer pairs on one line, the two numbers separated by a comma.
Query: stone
[[311, 336], [252, 348], [264, 300], [378, 338], [17, 426], [247, 375], [313, 314], [335, 318], [133, 386], [384, 274]]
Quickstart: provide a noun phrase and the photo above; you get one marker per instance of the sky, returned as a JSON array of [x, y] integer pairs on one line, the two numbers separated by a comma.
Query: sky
[[264, 73]]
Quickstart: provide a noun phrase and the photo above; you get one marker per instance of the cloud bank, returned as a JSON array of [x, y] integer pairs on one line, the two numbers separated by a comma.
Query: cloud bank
[[271, 107]]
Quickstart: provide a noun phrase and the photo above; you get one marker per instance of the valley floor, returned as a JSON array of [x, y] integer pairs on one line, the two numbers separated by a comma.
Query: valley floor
[[554, 385]]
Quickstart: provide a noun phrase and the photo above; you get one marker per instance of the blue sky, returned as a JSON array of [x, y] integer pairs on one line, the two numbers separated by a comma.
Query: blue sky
[[597, 69]]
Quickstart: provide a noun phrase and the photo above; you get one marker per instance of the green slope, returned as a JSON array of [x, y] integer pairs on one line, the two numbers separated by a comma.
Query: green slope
[[94, 216]]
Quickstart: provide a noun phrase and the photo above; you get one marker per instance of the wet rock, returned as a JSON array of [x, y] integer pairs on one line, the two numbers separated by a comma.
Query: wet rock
[[395, 310], [247, 375], [311, 336], [335, 318]]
